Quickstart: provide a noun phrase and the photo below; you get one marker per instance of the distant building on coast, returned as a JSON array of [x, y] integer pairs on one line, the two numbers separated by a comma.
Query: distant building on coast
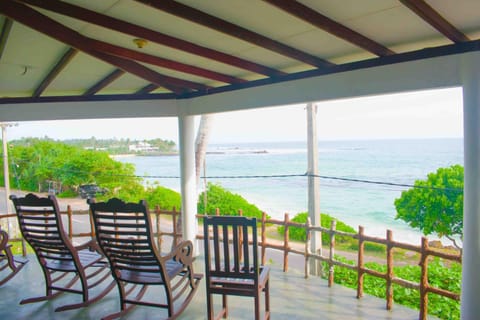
[[142, 147]]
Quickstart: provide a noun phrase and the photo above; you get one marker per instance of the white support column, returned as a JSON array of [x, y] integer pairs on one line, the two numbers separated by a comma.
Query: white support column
[[10, 226], [186, 127], [313, 186], [470, 306]]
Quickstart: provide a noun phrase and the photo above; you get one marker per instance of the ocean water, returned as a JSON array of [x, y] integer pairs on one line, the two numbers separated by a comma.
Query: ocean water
[[356, 203]]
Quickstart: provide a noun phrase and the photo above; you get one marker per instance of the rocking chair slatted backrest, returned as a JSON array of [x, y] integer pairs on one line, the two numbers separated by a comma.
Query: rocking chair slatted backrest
[[231, 262], [43, 229], [41, 226], [124, 233]]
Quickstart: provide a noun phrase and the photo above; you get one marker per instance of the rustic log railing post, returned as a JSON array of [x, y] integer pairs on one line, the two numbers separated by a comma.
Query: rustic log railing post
[[159, 234], [424, 279], [92, 226], [264, 237], [175, 227], [389, 286], [361, 274], [24, 247], [286, 238], [307, 246], [240, 237], [70, 220], [331, 268]]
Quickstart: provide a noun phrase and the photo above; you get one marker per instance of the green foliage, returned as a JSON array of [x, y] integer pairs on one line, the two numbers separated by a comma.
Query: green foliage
[[435, 205], [439, 275], [133, 192], [369, 246], [163, 197], [227, 202], [299, 234], [36, 162], [67, 194]]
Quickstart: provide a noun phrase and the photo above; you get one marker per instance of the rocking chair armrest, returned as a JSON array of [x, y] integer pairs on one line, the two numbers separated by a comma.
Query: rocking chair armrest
[[264, 274], [91, 245], [3, 243], [182, 253]]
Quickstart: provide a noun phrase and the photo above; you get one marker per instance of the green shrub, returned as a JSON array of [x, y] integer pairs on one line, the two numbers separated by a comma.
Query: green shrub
[[439, 276], [67, 194], [299, 234], [227, 202], [164, 198], [133, 192], [369, 246]]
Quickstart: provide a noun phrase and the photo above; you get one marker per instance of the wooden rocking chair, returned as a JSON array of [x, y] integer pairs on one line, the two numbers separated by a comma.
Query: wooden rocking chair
[[124, 233], [41, 226], [231, 263], [9, 265]]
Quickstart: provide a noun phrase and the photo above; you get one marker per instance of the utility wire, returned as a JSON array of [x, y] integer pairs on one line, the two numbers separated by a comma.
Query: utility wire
[[403, 185]]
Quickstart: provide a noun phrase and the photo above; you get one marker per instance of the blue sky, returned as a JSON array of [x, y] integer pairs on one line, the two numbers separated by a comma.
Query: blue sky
[[426, 114]]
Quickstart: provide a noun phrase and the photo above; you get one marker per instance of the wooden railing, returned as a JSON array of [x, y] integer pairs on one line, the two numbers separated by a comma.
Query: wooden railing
[[424, 250], [303, 249]]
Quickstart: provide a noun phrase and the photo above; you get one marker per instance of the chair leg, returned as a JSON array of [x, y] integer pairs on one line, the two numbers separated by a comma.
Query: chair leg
[[49, 288], [266, 290], [225, 306], [14, 265], [209, 307], [257, 305]]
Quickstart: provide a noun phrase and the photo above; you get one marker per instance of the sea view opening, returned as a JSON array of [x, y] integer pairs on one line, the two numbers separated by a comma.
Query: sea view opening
[[360, 180]]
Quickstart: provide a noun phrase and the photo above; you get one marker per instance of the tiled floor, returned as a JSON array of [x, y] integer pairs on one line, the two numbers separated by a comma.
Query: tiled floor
[[292, 297]]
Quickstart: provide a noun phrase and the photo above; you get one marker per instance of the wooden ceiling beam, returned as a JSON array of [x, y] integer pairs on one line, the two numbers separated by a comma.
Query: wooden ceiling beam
[[161, 62], [7, 26], [318, 20], [147, 89], [178, 86], [151, 35], [432, 17], [57, 68], [117, 73], [41, 23], [233, 30]]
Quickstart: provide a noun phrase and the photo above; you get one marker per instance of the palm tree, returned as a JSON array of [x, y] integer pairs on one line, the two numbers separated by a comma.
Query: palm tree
[[201, 143]]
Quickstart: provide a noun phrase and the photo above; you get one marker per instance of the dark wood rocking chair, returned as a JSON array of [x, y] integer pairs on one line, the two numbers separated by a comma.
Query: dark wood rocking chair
[[231, 263], [62, 263], [9, 265], [124, 233]]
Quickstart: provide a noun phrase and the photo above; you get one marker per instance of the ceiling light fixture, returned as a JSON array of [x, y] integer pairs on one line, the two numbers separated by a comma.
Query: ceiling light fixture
[[140, 42]]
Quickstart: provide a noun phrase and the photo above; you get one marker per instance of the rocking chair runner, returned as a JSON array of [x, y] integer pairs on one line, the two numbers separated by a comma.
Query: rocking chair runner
[[41, 226], [124, 233], [9, 265], [231, 263]]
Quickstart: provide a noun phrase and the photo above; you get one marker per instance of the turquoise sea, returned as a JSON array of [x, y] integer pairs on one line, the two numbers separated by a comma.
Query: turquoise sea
[[356, 203]]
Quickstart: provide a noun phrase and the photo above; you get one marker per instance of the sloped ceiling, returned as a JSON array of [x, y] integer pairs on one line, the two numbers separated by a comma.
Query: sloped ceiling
[[81, 50]]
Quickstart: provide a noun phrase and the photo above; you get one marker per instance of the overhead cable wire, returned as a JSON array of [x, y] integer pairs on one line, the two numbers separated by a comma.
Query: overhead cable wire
[[383, 183]]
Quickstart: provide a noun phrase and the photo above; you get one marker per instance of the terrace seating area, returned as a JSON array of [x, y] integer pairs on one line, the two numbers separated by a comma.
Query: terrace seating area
[[291, 297]]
